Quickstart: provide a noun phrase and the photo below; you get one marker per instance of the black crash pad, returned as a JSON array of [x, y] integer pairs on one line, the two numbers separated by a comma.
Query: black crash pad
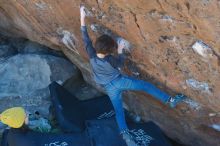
[[72, 113], [98, 118], [91, 123], [16, 137], [104, 133], [98, 133]]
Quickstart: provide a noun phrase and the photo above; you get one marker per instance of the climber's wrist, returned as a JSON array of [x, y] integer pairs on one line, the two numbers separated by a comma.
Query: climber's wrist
[[83, 21], [82, 15], [120, 50]]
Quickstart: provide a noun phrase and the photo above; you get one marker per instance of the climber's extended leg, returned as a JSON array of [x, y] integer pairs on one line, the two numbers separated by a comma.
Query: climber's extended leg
[[130, 83]]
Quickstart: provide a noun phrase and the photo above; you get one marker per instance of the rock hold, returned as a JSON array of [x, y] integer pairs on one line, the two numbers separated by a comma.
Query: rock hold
[[202, 49]]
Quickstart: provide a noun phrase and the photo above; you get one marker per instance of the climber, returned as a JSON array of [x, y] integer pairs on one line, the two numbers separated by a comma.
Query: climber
[[105, 70]]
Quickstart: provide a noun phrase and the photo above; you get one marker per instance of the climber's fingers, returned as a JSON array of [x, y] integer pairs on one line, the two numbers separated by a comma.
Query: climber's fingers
[[123, 44], [82, 11]]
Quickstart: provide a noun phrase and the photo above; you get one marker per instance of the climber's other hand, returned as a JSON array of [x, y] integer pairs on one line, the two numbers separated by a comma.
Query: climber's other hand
[[82, 12]]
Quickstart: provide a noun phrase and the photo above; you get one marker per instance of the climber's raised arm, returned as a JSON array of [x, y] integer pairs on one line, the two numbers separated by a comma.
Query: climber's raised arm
[[86, 39]]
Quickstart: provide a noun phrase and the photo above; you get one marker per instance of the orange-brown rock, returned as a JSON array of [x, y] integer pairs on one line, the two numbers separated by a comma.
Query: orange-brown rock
[[162, 33]]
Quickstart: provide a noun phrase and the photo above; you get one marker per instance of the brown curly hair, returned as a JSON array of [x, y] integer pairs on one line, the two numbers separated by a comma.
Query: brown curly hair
[[105, 44]]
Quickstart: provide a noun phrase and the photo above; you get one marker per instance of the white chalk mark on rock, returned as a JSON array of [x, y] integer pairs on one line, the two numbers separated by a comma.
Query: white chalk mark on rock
[[202, 49], [196, 85], [167, 18], [193, 104], [68, 39], [41, 5], [100, 1], [161, 16], [95, 27], [135, 73], [214, 114]]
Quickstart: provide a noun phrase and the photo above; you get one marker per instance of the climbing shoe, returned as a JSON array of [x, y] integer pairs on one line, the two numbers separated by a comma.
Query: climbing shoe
[[173, 101], [128, 138]]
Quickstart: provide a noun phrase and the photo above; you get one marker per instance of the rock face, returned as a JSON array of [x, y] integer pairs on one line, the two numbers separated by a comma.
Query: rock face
[[163, 34]]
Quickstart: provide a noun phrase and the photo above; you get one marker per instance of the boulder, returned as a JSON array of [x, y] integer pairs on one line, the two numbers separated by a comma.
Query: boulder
[[25, 78], [162, 33], [6, 51]]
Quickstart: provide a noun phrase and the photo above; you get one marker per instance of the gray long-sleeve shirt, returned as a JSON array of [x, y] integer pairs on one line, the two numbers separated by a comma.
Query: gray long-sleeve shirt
[[104, 69]]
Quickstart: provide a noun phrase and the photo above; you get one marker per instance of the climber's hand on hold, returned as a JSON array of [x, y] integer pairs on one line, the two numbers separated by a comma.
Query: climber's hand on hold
[[82, 11], [82, 15], [121, 47]]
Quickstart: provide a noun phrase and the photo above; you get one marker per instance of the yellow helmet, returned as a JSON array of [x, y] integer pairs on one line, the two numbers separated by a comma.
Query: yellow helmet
[[13, 117]]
